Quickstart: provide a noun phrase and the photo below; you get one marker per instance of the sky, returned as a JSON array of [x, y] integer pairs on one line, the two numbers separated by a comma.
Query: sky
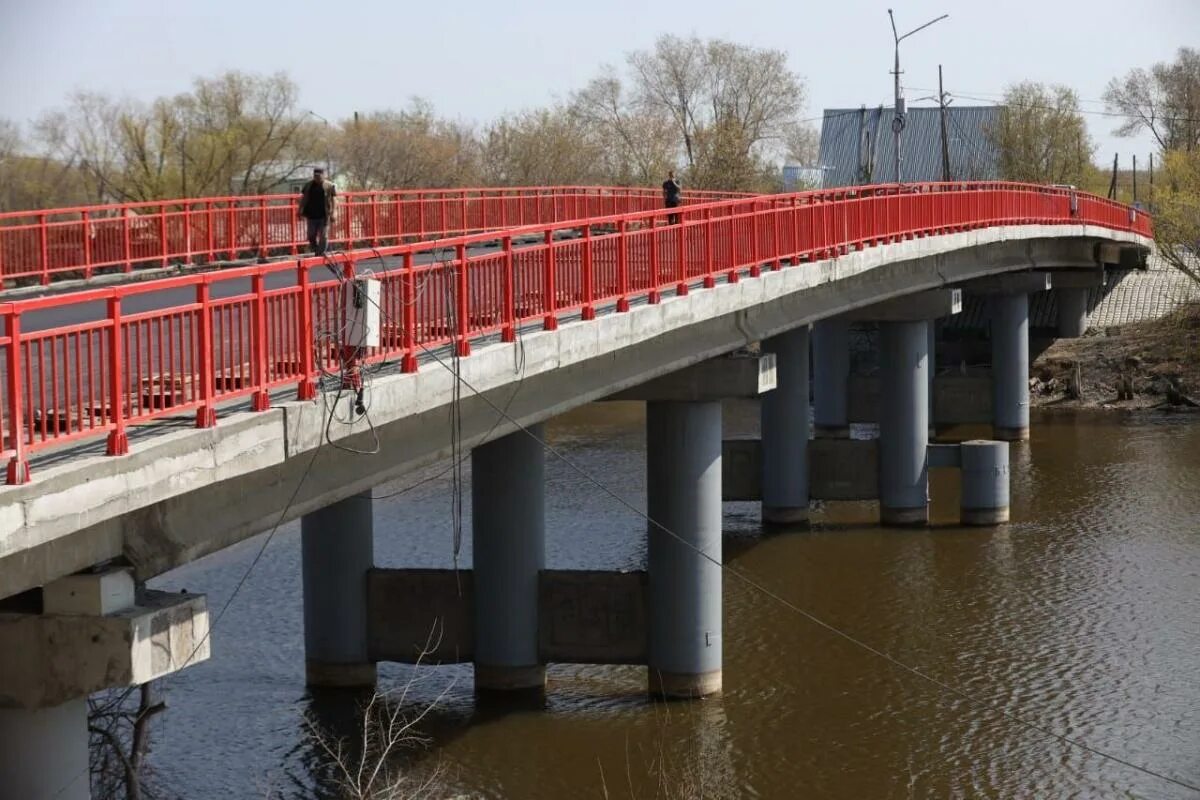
[[476, 59]]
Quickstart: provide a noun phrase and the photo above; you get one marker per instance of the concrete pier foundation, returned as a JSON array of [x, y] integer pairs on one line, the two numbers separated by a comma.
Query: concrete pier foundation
[[44, 752], [985, 483], [1010, 366], [337, 546], [831, 373], [784, 421], [683, 466], [508, 531], [1072, 311], [904, 424]]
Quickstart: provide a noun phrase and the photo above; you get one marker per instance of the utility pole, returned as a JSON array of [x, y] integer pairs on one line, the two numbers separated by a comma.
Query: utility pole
[[898, 120], [1135, 179], [945, 141], [1112, 186]]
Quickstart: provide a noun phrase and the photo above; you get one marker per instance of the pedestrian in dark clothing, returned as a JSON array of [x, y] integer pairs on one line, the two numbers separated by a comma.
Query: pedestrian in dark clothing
[[317, 200], [671, 195]]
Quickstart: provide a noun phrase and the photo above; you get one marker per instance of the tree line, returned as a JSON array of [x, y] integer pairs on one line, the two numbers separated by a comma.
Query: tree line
[[1041, 136], [724, 115]]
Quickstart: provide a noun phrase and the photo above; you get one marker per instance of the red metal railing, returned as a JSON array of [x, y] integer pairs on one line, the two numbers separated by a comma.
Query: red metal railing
[[70, 373], [39, 246]]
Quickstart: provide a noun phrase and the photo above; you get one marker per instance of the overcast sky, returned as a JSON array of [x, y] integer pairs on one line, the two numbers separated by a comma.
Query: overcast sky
[[478, 58]]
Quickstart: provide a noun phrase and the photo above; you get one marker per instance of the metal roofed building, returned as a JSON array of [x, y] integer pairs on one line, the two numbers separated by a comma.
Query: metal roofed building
[[856, 145]]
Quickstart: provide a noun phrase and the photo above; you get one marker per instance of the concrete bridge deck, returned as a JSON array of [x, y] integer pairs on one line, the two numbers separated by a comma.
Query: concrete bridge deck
[[152, 506]]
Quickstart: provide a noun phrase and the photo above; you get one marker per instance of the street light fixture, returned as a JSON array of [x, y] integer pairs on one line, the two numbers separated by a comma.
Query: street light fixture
[[898, 107]]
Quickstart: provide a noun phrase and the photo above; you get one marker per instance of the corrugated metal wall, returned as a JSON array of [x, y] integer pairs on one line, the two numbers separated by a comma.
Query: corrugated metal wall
[[857, 145]]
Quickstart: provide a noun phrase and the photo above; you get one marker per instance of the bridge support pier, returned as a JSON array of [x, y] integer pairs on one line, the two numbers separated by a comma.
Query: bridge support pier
[[1072, 312], [508, 536], [337, 549], [44, 752], [784, 422], [831, 374], [985, 483], [1010, 367], [683, 466], [931, 354], [904, 423]]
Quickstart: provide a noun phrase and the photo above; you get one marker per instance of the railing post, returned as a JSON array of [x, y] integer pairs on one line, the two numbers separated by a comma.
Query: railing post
[[374, 219], [681, 286], [118, 442], [399, 219], [464, 219], [87, 244], [206, 414], [795, 232], [307, 338], [18, 467], [162, 234], [551, 320], [622, 269], [408, 278], [210, 250], [262, 228], [589, 279], [231, 229], [463, 299], [755, 263], [44, 246], [187, 231], [262, 397], [710, 280], [655, 279], [776, 262], [508, 331], [420, 216]]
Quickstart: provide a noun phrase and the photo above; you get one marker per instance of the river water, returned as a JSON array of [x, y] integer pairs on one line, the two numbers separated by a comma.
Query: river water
[[1082, 617]]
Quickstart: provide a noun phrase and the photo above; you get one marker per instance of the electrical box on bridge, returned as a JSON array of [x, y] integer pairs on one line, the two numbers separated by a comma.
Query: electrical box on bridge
[[361, 302]]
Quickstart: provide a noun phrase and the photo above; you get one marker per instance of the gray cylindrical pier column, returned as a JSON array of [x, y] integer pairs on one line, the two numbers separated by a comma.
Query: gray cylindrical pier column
[[44, 752], [337, 548], [931, 357], [1010, 367], [985, 482], [904, 424], [784, 423], [683, 471], [508, 534], [1072, 312], [831, 375]]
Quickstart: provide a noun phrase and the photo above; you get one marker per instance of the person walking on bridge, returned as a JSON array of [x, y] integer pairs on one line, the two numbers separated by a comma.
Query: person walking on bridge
[[671, 195], [317, 199]]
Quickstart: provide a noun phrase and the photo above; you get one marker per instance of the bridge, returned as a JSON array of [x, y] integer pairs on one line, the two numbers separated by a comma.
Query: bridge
[[289, 389]]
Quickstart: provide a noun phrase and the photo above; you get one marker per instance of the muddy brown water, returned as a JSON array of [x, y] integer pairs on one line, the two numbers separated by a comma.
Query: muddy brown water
[[1081, 616]]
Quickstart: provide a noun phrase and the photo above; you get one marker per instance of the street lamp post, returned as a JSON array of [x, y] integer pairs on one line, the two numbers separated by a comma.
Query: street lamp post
[[328, 162], [898, 107]]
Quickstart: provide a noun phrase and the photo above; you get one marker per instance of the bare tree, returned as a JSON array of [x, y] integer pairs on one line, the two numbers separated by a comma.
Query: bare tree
[[541, 147], [235, 133], [1164, 100], [732, 105], [120, 739], [1041, 135], [636, 144], [409, 148]]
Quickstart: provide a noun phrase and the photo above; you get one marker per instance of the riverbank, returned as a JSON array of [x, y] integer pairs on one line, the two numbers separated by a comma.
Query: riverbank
[[1150, 364]]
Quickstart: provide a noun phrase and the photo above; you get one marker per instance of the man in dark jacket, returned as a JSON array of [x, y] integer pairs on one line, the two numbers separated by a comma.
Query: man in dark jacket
[[671, 195], [317, 199]]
